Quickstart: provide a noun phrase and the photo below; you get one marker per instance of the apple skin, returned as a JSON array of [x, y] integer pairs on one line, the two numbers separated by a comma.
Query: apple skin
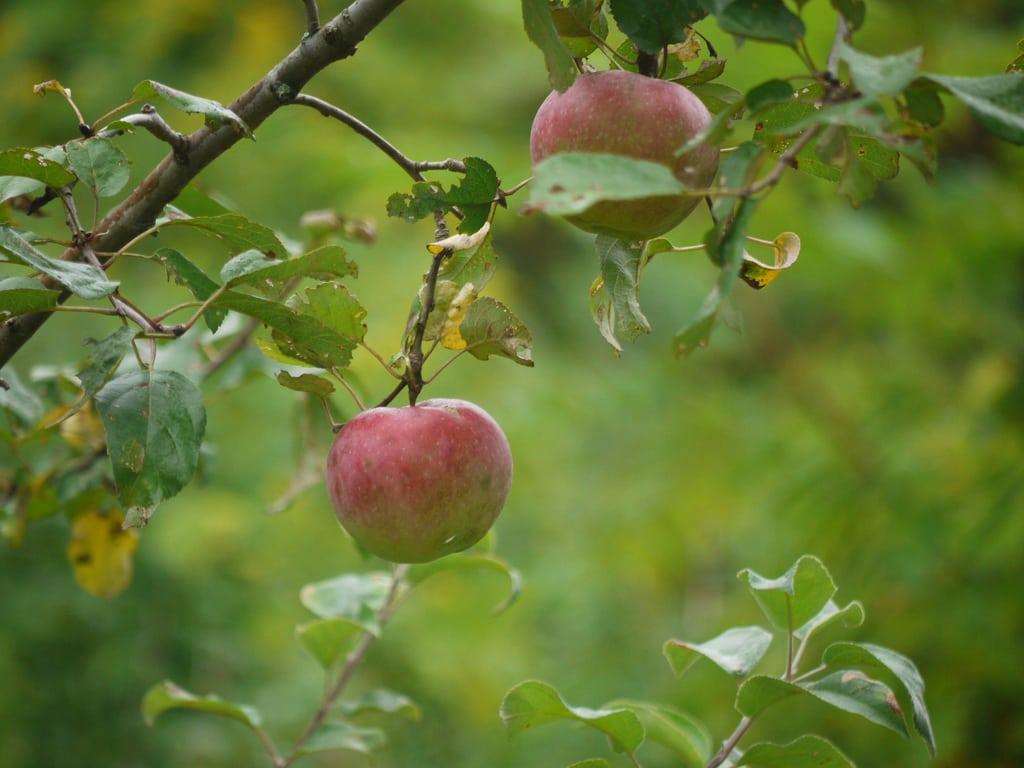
[[417, 483], [622, 113]]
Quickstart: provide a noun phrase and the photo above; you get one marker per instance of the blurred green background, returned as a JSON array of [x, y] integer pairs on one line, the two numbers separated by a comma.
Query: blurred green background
[[872, 413]]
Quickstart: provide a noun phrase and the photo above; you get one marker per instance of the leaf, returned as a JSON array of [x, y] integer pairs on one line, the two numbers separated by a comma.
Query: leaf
[[759, 19], [154, 421], [768, 94], [85, 280], [881, 75], [851, 615], [329, 640], [236, 232], [795, 597], [853, 11], [302, 339], [856, 182], [200, 285], [568, 183], [894, 669], [252, 267], [534, 703], [102, 553], [846, 690], [42, 165], [99, 164], [757, 274], [490, 328], [593, 762], [22, 295], [540, 28], [653, 24], [464, 561], [725, 243], [804, 752], [684, 736], [473, 195], [342, 735], [615, 294], [213, 112], [460, 242], [383, 701], [737, 651], [923, 103], [337, 309], [997, 101], [104, 358], [19, 399], [166, 696], [697, 333], [306, 382], [356, 597], [194, 201], [709, 70]]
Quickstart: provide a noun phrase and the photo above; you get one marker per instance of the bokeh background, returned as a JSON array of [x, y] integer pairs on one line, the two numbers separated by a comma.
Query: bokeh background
[[871, 413]]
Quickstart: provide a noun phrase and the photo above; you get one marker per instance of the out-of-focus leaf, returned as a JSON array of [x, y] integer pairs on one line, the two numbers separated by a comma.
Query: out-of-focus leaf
[[356, 597], [306, 382], [236, 232], [534, 703], [737, 651], [923, 103], [166, 696], [213, 112], [697, 333], [896, 670], [380, 700], [709, 69], [759, 19], [677, 731], [21, 295], [102, 553], [540, 28], [804, 752], [795, 597], [615, 294], [85, 280], [997, 101], [329, 640], [99, 164], [18, 398], [593, 762], [471, 561], [853, 11], [881, 75], [850, 615], [653, 24], [104, 358], [154, 422], [344, 736]]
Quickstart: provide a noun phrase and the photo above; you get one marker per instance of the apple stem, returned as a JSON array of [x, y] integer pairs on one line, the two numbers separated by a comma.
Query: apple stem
[[647, 63]]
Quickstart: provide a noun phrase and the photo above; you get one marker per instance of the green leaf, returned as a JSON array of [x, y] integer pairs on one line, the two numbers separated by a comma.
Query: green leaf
[[19, 399], [166, 696], [540, 28], [737, 651], [85, 280], [997, 101], [709, 70], [306, 382], [851, 615], [45, 164], [795, 597], [697, 333], [857, 182], [534, 703], [768, 94], [341, 735], [383, 701], [22, 295], [337, 309], [99, 164], [329, 640], [684, 736], [881, 75], [759, 19], [804, 752], [213, 112], [845, 689], [923, 103], [653, 24], [188, 275], [193, 201], [236, 232], [472, 265], [725, 244], [301, 336], [853, 11], [104, 358], [357, 597], [593, 762], [464, 561], [568, 183], [154, 422], [894, 669], [254, 268], [615, 294], [490, 328], [473, 195]]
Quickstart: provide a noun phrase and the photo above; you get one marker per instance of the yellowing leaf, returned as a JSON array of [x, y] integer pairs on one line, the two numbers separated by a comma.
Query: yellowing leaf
[[460, 242], [102, 553], [758, 274], [83, 430], [451, 336]]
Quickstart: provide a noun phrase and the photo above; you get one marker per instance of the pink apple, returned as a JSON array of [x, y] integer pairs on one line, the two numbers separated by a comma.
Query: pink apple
[[622, 113], [414, 484]]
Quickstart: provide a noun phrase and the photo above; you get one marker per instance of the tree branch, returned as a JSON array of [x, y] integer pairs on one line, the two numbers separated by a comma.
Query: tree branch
[[312, 17], [149, 119], [730, 743], [336, 40]]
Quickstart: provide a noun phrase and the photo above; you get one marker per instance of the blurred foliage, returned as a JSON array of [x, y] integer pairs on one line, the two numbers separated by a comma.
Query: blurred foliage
[[871, 413]]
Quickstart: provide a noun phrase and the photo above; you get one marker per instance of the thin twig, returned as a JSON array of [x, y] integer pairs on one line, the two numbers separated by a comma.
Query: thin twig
[[842, 35], [149, 119], [232, 348], [393, 393], [312, 17], [348, 387], [730, 743], [380, 359], [415, 354]]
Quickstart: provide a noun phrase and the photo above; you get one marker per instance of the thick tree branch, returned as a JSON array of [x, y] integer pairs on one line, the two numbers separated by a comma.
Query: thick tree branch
[[336, 40]]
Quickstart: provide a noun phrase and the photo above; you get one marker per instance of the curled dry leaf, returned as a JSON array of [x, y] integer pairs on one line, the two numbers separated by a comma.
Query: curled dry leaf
[[460, 242], [757, 274]]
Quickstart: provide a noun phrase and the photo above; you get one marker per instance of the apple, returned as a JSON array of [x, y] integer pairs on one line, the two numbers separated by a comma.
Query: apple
[[622, 113], [416, 483]]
